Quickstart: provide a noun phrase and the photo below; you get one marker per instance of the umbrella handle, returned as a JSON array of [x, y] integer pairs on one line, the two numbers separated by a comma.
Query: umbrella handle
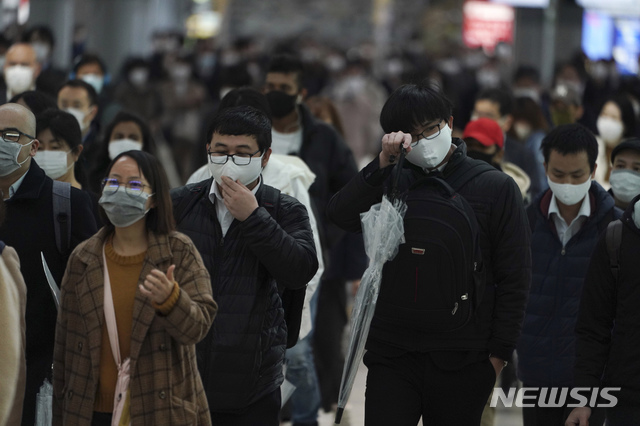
[[398, 171], [339, 413]]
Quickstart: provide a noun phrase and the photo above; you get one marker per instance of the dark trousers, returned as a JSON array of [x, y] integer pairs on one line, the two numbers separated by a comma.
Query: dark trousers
[[622, 416], [264, 412], [331, 319], [101, 419], [402, 389], [554, 416]]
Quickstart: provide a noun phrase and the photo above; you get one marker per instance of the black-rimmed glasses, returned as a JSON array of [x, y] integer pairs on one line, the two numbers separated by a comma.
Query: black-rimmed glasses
[[134, 188], [13, 135], [421, 135], [240, 159]]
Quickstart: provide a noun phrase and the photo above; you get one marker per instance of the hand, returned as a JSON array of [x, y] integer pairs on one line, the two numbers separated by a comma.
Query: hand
[[391, 147], [239, 200], [355, 285], [579, 416], [158, 286], [498, 364]]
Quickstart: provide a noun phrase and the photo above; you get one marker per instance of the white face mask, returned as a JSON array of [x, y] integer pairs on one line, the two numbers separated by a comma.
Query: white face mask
[[429, 153], [79, 115], [569, 194], [625, 184], [9, 153], [245, 174], [19, 78], [54, 163], [95, 80], [117, 147], [636, 213], [523, 130], [610, 130]]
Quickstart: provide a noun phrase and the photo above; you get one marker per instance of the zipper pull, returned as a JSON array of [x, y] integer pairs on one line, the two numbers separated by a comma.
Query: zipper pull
[[563, 251], [464, 296], [455, 308]]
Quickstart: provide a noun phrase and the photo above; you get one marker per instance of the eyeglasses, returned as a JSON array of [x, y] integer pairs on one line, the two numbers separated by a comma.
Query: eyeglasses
[[239, 159], [134, 188], [421, 135], [13, 135]]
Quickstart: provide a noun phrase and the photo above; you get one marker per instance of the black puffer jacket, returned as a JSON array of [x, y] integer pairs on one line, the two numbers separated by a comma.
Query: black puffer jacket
[[505, 245], [241, 358], [601, 347]]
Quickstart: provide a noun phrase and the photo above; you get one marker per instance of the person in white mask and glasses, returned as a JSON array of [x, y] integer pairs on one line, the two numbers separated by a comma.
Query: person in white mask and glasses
[[21, 68], [565, 222]]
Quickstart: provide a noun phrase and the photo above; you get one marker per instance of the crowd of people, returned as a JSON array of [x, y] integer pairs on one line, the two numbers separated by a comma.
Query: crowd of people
[[200, 213]]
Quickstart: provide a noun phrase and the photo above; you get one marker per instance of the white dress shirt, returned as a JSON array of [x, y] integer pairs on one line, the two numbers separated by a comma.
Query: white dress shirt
[[566, 232]]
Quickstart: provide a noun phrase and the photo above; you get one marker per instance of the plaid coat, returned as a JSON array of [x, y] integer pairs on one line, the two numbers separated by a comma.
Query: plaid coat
[[165, 386]]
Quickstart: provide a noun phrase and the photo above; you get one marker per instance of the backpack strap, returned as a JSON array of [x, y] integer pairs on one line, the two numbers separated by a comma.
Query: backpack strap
[[270, 200], [459, 179], [614, 240], [61, 194]]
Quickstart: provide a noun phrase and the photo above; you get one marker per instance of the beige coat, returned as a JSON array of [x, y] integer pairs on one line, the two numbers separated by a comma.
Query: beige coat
[[165, 384], [13, 302]]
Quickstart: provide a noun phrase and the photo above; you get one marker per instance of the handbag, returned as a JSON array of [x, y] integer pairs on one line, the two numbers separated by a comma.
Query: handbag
[[121, 399]]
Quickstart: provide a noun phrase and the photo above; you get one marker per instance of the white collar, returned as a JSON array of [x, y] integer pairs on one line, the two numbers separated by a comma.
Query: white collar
[[585, 208]]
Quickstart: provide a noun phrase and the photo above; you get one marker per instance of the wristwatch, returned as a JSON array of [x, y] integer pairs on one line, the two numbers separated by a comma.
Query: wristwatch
[[504, 363]]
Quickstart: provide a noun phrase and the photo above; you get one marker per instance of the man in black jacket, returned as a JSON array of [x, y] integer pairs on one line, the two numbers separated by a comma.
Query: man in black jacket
[[29, 228], [607, 356], [413, 372], [252, 240]]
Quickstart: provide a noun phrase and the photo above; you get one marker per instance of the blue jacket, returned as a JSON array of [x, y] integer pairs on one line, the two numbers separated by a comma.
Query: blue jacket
[[546, 348]]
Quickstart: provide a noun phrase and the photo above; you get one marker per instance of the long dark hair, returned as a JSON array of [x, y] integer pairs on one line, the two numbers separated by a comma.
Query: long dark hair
[[160, 218]]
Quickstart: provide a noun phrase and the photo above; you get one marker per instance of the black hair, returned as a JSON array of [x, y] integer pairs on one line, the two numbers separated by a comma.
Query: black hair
[[499, 96], [245, 96], [527, 71], [77, 83], [88, 59], [413, 105], [571, 139], [235, 76], [627, 114], [160, 218], [36, 101], [286, 63], [42, 32], [242, 120]]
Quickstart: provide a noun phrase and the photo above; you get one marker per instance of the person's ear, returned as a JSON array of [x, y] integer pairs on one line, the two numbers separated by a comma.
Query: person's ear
[[76, 153], [265, 157], [93, 111], [302, 95], [508, 122], [450, 123], [593, 174], [34, 147]]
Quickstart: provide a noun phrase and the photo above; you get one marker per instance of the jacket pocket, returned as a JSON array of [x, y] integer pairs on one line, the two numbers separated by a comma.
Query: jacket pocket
[[183, 412]]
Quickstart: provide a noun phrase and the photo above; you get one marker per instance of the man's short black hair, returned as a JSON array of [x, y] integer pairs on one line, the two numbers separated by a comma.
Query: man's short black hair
[[88, 59], [527, 71], [413, 105], [242, 121], [571, 139], [77, 83], [503, 98], [37, 102], [286, 63]]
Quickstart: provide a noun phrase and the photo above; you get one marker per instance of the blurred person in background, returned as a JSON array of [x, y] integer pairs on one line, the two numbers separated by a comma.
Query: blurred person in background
[[183, 98], [36, 102], [13, 303], [625, 174], [50, 78], [137, 93], [566, 105], [79, 98], [21, 68], [497, 104], [323, 109], [126, 132], [92, 69], [529, 128], [616, 122]]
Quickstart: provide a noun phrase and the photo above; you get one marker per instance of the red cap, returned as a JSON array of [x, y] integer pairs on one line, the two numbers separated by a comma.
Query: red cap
[[486, 131]]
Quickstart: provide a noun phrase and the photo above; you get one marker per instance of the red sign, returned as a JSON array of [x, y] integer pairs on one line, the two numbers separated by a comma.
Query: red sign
[[486, 24]]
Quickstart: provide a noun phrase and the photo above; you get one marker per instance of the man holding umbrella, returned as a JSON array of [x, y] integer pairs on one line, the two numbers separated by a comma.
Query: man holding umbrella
[[451, 302]]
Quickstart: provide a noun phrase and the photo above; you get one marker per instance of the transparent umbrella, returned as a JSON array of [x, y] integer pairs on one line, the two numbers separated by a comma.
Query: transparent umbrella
[[383, 232]]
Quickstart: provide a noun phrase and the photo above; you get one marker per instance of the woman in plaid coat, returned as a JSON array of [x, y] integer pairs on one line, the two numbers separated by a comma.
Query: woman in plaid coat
[[162, 302]]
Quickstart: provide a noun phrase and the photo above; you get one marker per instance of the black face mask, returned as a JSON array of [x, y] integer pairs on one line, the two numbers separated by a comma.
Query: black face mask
[[487, 158], [280, 103]]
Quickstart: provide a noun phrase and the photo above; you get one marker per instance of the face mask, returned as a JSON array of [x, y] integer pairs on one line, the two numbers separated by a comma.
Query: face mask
[[610, 130], [42, 51], [79, 116], [9, 152], [625, 184], [482, 156], [280, 103], [123, 209], [523, 131], [181, 73], [569, 194], [139, 77], [527, 92], [636, 213], [54, 163], [561, 116], [487, 78], [117, 147], [19, 78], [427, 154], [245, 174], [95, 80]]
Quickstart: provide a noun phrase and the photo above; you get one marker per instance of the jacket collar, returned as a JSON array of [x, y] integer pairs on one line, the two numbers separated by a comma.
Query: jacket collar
[[32, 184]]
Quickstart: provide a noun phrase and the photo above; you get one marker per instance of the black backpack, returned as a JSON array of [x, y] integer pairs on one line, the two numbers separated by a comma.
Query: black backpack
[[292, 300], [436, 281]]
